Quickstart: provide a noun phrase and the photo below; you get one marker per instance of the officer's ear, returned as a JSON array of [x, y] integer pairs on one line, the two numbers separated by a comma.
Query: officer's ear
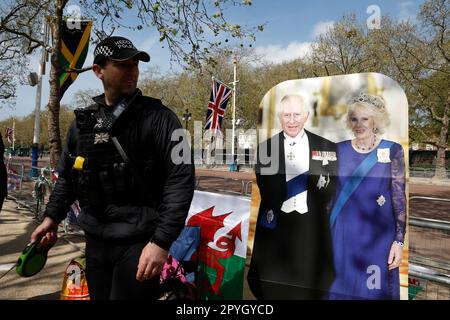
[[98, 70]]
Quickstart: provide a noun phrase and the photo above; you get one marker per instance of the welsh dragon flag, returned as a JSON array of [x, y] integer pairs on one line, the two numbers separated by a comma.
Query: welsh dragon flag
[[224, 223]]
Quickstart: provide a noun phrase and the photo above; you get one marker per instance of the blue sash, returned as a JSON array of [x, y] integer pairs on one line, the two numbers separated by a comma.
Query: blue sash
[[294, 187], [355, 179], [297, 185]]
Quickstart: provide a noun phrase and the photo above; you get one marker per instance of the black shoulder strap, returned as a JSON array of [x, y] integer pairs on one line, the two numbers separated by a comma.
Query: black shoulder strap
[[127, 160]]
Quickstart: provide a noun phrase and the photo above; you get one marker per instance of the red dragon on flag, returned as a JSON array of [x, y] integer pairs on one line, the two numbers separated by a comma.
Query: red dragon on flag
[[209, 256]]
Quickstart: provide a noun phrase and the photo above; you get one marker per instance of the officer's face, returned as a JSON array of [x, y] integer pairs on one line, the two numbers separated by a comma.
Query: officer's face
[[119, 77], [293, 117]]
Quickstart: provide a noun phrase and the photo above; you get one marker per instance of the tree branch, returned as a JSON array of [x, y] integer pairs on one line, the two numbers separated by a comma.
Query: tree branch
[[23, 34], [73, 70], [426, 136]]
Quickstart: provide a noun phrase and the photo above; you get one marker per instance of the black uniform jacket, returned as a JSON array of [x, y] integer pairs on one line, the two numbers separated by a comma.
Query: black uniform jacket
[[145, 134]]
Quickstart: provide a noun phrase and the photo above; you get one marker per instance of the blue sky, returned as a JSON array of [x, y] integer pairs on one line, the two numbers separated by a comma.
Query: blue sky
[[290, 27]]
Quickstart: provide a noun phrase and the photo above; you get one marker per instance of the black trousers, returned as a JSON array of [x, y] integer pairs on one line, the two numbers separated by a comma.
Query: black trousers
[[1, 202], [111, 269], [266, 290]]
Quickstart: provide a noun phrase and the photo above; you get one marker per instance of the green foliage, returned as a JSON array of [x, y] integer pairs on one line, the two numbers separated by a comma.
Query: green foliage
[[191, 88], [24, 127], [416, 56], [180, 23]]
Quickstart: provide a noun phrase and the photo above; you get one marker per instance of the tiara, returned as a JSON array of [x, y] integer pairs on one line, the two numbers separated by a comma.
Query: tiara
[[375, 101]]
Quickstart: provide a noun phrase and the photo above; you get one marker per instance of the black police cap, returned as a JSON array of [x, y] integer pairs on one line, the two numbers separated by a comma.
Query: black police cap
[[118, 49]]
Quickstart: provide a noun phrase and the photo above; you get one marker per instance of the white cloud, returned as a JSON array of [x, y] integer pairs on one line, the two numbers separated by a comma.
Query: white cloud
[[148, 43], [405, 13], [321, 27], [278, 54], [33, 63]]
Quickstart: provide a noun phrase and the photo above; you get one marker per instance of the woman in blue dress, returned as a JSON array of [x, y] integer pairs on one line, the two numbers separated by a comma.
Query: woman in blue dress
[[369, 212]]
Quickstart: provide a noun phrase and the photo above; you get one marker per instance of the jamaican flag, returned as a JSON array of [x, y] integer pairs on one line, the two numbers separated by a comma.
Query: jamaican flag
[[74, 48]]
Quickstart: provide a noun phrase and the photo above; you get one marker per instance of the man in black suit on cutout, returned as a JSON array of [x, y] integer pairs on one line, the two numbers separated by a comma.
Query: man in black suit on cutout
[[292, 253]]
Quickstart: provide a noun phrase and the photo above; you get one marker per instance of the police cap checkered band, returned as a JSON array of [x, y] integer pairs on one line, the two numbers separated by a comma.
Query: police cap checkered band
[[118, 49]]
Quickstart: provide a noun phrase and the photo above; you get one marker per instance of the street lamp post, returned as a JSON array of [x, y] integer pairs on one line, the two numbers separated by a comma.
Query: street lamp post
[[37, 109], [233, 121], [186, 117]]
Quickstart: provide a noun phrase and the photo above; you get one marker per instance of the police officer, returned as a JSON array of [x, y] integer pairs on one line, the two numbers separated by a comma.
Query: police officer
[[117, 161]]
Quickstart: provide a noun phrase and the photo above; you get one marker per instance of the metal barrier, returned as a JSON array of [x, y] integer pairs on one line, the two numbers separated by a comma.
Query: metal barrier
[[429, 198], [26, 191], [33, 192], [427, 284], [429, 223], [247, 184], [429, 256], [15, 176], [219, 157], [418, 172], [236, 184], [428, 274], [429, 242]]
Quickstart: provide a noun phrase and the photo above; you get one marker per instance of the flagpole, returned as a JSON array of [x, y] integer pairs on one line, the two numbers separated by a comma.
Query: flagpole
[[13, 133], [212, 144], [37, 108], [234, 111]]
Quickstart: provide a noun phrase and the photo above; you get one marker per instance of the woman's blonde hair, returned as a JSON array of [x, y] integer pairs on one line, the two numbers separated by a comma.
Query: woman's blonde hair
[[375, 105]]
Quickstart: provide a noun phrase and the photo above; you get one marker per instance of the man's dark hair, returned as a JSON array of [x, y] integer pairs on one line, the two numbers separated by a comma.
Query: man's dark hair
[[101, 63]]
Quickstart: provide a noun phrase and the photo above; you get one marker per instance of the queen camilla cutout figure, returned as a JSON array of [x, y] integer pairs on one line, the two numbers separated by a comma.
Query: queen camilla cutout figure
[[368, 218]]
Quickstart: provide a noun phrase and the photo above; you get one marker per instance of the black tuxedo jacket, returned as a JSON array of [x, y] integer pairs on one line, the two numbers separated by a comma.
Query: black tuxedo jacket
[[292, 255]]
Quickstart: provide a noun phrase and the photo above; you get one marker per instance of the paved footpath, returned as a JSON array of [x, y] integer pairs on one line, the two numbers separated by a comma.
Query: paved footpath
[[16, 226]]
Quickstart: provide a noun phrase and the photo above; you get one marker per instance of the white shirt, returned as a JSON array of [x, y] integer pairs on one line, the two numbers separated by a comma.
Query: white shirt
[[296, 158]]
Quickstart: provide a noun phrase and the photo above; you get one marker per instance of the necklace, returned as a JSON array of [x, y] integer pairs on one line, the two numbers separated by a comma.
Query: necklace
[[367, 148]]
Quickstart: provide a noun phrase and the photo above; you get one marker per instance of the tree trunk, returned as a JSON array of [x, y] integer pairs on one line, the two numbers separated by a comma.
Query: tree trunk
[[440, 171], [54, 138]]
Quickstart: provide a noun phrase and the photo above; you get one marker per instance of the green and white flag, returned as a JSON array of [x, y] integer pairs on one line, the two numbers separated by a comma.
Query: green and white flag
[[224, 223]]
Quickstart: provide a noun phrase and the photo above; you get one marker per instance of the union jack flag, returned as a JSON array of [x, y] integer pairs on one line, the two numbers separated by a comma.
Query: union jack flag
[[220, 95], [8, 134]]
